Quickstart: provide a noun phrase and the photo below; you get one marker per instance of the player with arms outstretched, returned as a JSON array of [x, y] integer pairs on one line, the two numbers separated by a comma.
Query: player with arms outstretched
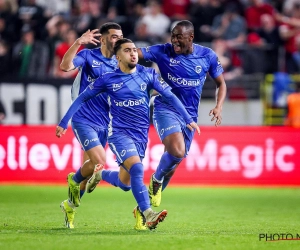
[[128, 90]]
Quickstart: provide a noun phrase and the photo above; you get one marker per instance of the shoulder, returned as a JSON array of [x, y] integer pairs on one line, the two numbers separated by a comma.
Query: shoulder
[[144, 70], [84, 52], [160, 47], [202, 50], [108, 75]]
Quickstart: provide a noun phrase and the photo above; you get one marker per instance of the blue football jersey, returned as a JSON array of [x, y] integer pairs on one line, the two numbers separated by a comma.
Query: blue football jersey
[[185, 74], [92, 64], [128, 98]]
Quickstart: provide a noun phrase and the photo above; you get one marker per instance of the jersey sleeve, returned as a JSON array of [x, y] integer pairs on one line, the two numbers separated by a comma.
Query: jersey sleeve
[[80, 58], [91, 91], [215, 68], [153, 53], [165, 91]]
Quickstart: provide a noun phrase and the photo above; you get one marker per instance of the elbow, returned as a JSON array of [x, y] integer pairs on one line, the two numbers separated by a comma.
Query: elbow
[[63, 67]]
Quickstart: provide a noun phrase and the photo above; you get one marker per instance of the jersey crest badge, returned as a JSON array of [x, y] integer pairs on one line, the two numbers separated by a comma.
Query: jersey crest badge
[[198, 69], [143, 86]]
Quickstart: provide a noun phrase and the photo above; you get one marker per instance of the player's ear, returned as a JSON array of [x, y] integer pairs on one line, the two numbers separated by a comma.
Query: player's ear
[[192, 37], [102, 40]]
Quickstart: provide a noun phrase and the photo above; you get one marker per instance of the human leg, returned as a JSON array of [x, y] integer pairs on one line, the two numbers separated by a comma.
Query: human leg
[[119, 179], [129, 154], [93, 153], [140, 193], [177, 139]]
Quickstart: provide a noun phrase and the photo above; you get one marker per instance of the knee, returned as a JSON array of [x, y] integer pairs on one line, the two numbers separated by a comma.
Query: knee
[[177, 152]]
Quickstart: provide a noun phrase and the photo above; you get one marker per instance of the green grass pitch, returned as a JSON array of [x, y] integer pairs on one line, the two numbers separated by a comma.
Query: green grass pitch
[[199, 218]]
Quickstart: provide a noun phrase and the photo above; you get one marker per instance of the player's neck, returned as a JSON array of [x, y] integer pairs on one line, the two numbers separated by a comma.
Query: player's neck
[[189, 50], [105, 52]]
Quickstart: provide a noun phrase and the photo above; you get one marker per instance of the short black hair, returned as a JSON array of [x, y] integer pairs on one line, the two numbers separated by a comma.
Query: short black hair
[[108, 26], [119, 43], [187, 24]]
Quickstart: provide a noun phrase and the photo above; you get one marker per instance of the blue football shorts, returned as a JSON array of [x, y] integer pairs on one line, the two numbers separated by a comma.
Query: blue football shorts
[[123, 146], [89, 136], [168, 122]]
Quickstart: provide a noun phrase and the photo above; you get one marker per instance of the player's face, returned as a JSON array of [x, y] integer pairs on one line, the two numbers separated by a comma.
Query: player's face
[[111, 38], [182, 40], [128, 55]]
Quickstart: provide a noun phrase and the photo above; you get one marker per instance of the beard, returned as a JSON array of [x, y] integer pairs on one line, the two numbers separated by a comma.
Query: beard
[[132, 65]]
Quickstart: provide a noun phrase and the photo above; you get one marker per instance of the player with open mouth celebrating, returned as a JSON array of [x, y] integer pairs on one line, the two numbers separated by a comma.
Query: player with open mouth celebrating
[[128, 90]]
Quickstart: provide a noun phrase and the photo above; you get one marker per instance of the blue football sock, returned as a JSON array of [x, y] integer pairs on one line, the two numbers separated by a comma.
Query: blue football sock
[[81, 193], [123, 186], [112, 177], [165, 182], [166, 164], [139, 190], [78, 176]]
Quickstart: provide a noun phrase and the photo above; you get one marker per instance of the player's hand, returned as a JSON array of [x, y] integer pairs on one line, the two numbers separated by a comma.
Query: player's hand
[[216, 112], [192, 126], [90, 37], [60, 131]]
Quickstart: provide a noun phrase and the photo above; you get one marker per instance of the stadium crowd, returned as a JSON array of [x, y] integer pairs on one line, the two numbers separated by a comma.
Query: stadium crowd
[[249, 36]]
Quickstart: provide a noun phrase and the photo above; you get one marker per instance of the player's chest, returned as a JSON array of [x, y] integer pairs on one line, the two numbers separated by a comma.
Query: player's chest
[[184, 67], [128, 88], [97, 67]]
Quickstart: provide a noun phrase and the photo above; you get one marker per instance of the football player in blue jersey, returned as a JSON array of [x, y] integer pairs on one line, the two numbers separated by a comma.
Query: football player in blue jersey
[[128, 90], [184, 66], [90, 123]]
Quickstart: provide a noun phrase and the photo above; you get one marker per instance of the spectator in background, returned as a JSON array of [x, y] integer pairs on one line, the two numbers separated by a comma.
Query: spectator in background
[[84, 20], [293, 110], [232, 68], [4, 59], [30, 56], [269, 32], [202, 14], [69, 38], [53, 37], [176, 9], [119, 11], [254, 12], [229, 26], [157, 23], [8, 30], [54, 7], [296, 54], [254, 57], [288, 33], [33, 15]]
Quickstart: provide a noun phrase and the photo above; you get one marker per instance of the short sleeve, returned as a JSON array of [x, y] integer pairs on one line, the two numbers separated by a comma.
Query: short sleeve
[[80, 58], [215, 68], [153, 53]]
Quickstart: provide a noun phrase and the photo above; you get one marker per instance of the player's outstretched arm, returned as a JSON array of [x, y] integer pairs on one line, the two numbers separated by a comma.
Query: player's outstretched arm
[[220, 98], [86, 38], [87, 94]]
